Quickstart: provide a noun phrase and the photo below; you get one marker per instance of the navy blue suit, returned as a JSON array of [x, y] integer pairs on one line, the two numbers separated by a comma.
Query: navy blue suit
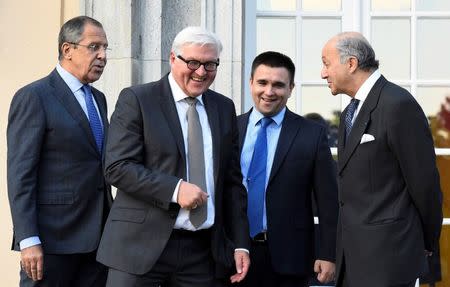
[[302, 168]]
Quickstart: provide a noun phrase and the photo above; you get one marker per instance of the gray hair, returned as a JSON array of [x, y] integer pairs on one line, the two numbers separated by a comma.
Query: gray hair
[[195, 35], [352, 44], [72, 31]]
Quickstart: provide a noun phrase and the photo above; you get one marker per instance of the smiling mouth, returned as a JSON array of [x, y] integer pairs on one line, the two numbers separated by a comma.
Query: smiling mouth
[[197, 79], [268, 100]]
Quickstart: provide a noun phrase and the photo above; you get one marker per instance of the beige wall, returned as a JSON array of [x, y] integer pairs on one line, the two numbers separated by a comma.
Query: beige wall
[[28, 51]]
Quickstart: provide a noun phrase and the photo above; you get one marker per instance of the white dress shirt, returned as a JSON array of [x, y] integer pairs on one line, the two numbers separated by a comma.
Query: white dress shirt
[[182, 106], [364, 90]]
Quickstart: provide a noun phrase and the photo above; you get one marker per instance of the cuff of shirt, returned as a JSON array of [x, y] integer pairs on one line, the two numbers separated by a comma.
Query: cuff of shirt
[[30, 241], [242, 249], [175, 192]]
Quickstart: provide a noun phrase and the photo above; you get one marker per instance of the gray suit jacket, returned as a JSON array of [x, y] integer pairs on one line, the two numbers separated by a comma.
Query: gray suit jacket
[[145, 158], [390, 199], [56, 186]]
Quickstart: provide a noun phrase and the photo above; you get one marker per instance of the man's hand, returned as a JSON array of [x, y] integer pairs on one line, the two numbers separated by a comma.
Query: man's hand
[[325, 270], [32, 262], [242, 264], [190, 195]]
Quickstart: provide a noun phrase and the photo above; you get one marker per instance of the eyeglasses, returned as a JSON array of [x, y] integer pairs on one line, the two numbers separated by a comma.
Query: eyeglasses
[[194, 64], [94, 48]]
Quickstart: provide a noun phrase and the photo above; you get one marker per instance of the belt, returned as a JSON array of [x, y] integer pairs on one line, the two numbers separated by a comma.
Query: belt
[[260, 237], [182, 233]]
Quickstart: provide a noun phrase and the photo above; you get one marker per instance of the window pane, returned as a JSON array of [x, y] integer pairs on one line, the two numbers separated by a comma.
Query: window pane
[[276, 5], [391, 42], [433, 49], [315, 33], [435, 102], [389, 5], [322, 5], [268, 36], [433, 5], [318, 99]]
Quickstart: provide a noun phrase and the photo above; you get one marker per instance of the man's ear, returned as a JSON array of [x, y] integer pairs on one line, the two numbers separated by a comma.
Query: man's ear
[[291, 87], [352, 64], [66, 51], [172, 57]]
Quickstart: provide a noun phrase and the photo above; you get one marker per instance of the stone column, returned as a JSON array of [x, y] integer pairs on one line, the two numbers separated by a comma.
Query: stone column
[[140, 34]]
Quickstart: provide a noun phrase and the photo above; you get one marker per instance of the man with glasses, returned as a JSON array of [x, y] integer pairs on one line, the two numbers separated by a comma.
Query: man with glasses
[[58, 196], [172, 152]]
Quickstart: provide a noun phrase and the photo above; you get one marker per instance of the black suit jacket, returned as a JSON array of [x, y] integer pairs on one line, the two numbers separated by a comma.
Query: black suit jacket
[[302, 168], [145, 158], [56, 186], [390, 207]]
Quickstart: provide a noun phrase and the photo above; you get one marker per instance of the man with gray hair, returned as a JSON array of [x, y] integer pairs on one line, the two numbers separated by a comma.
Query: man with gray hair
[[390, 211], [172, 152], [58, 196]]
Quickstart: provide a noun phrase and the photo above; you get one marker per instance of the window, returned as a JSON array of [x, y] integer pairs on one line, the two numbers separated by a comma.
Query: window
[[409, 38]]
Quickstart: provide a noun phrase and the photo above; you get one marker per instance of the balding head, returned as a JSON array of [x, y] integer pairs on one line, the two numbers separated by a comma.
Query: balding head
[[354, 44]]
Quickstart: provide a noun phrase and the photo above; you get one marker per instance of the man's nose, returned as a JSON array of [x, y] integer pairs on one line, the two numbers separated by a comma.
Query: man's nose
[[323, 73]]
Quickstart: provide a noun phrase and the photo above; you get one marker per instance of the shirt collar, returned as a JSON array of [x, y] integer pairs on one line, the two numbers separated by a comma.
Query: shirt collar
[[256, 116], [71, 81], [177, 92], [365, 88]]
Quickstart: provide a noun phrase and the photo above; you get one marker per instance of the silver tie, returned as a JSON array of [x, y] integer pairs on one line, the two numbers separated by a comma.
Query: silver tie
[[196, 160]]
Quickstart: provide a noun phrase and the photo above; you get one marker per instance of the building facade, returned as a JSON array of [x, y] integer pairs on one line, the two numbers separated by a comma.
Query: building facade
[[408, 37]]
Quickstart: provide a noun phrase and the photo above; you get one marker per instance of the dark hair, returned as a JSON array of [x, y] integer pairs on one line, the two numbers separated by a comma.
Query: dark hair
[[274, 60], [351, 44], [72, 31]]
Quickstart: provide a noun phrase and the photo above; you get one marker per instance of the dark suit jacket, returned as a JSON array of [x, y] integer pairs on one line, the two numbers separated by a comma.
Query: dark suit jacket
[[56, 186], [145, 158], [302, 168], [390, 208]]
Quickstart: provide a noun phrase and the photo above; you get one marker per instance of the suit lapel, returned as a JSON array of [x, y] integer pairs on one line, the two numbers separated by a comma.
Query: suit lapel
[[288, 133], [242, 128], [360, 124], [170, 112], [63, 93], [214, 122]]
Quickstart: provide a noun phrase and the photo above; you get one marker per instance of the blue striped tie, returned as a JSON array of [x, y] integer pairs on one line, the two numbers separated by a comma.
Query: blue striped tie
[[349, 116], [256, 180], [94, 120]]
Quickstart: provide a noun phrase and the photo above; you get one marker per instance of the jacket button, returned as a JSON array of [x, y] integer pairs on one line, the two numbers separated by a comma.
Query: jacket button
[[341, 203]]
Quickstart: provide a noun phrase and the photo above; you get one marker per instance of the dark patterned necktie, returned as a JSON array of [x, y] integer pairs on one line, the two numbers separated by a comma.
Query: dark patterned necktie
[[196, 160], [94, 119], [351, 108]]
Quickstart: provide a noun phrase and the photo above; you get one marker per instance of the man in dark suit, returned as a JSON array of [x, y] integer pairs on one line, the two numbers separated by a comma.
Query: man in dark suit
[[296, 165], [390, 212], [172, 152], [58, 196]]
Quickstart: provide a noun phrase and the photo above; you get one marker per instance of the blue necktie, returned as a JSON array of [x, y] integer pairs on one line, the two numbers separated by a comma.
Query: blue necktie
[[349, 116], [94, 120], [256, 180]]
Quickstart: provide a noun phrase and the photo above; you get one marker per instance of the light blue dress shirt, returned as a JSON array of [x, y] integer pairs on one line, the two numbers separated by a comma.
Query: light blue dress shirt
[[273, 134], [75, 86]]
